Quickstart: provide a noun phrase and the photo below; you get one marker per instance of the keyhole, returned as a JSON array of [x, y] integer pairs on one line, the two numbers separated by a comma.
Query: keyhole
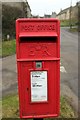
[[27, 89]]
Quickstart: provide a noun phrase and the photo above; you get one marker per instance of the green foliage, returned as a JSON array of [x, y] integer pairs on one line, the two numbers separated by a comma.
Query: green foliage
[[65, 23], [8, 48], [9, 15]]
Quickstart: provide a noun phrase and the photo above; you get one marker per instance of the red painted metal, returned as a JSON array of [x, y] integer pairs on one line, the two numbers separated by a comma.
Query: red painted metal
[[38, 40]]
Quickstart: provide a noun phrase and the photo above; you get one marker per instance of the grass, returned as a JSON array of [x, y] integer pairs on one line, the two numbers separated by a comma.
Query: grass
[[8, 48], [73, 29], [66, 110], [0, 109], [66, 23], [11, 109]]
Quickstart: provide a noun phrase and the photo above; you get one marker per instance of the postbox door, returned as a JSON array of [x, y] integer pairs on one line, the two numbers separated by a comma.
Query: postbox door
[[50, 104]]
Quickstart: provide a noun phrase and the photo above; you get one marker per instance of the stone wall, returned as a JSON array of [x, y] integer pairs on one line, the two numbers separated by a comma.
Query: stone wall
[[65, 14], [22, 5]]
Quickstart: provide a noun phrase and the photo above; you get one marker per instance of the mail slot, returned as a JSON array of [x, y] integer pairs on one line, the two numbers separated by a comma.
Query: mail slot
[[38, 66]]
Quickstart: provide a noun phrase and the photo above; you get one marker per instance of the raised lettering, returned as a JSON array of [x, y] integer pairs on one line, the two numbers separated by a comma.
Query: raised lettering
[[37, 28]]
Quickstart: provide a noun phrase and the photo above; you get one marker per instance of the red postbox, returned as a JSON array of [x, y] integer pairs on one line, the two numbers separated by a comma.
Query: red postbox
[[38, 63]]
